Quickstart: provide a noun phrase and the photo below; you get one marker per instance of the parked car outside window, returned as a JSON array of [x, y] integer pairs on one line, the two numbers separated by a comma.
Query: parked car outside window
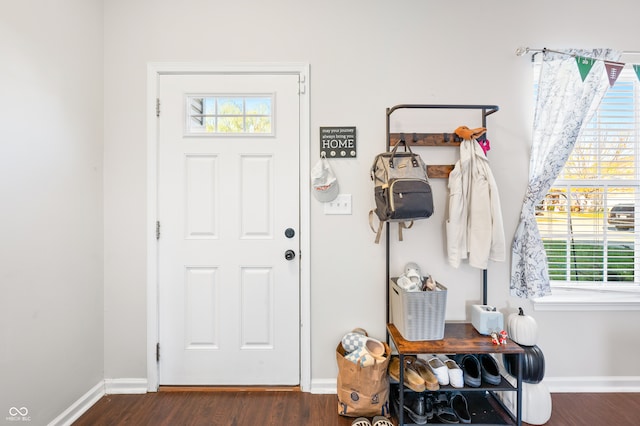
[[622, 216]]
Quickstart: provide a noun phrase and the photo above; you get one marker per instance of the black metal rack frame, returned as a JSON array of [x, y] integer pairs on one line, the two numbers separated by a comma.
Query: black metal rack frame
[[441, 139], [445, 139]]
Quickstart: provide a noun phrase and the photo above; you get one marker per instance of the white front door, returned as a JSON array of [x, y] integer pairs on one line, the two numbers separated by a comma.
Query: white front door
[[228, 208]]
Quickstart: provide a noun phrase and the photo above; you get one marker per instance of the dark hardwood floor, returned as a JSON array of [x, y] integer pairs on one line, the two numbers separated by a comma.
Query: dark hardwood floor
[[284, 408]]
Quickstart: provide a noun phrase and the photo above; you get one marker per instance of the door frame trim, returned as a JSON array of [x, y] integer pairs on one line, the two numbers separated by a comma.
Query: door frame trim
[[154, 71]]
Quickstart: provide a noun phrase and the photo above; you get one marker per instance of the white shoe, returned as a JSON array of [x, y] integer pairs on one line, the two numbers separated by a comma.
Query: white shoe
[[456, 376], [439, 369], [406, 284]]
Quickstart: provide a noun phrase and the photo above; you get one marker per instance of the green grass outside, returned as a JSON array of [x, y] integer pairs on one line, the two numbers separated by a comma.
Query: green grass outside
[[586, 261]]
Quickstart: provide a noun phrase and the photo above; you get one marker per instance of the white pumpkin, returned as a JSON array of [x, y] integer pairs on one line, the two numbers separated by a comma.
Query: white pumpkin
[[536, 401], [522, 329]]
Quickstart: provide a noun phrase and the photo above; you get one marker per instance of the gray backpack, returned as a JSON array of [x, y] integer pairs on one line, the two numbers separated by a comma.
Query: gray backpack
[[401, 189]]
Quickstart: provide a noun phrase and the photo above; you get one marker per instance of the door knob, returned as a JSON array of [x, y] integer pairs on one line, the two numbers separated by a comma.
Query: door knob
[[289, 254]]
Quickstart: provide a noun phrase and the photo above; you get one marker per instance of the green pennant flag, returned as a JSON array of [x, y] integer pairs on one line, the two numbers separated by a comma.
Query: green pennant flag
[[636, 68], [584, 65]]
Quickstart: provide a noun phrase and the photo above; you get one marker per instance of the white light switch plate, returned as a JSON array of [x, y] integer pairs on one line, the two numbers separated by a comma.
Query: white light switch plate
[[340, 205]]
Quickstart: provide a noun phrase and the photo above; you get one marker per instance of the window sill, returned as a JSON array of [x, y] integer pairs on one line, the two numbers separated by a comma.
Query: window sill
[[581, 299]]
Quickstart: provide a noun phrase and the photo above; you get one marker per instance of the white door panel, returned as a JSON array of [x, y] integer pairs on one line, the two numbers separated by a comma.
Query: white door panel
[[228, 298]]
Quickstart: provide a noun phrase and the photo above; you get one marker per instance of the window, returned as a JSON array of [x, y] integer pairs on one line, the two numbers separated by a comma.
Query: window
[[588, 219], [229, 115]]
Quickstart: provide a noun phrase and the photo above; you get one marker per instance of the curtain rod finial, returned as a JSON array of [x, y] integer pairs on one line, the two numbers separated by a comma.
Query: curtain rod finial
[[522, 50]]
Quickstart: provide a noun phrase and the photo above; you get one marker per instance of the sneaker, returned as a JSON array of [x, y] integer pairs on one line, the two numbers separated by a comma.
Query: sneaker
[[439, 369], [456, 377], [406, 284]]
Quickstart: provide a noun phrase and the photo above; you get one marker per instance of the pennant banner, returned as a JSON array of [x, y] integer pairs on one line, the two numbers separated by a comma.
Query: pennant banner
[[584, 65], [613, 71]]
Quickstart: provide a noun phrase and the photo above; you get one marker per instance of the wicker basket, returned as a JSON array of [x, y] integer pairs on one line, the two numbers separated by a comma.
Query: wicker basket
[[418, 315]]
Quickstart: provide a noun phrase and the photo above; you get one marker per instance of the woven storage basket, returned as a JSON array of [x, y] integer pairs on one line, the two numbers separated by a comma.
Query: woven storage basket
[[418, 315]]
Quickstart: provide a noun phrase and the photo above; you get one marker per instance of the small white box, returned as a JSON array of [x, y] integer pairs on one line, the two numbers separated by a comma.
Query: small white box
[[486, 319]]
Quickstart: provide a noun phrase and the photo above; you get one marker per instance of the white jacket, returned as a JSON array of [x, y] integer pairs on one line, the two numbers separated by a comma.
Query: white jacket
[[474, 228]]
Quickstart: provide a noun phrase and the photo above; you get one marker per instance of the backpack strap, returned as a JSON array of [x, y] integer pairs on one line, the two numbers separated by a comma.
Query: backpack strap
[[401, 226], [378, 232]]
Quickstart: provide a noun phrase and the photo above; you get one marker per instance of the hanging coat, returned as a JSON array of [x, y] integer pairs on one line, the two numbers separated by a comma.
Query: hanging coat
[[474, 228]]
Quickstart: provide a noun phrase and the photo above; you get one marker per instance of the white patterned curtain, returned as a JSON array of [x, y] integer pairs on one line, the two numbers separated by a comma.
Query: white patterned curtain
[[564, 103]]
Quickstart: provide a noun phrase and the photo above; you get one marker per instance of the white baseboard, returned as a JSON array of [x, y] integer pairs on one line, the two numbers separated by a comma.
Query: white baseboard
[[323, 386], [593, 384], [555, 384], [125, 386], [78, 408], [105, 387]]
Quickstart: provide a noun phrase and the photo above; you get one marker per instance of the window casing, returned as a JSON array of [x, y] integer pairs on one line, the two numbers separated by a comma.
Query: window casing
[[588, 219]]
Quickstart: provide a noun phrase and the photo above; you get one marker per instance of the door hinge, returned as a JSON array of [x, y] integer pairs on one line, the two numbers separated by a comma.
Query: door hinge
[[302, 84], [158, 352], [157, 107], [157, 230]]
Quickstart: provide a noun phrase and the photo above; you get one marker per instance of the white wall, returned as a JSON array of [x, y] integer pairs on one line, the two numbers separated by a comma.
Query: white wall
[[51, 275], [365, 56]]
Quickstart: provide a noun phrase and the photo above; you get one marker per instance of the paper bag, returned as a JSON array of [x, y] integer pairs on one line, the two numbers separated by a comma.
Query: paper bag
[[362, 391]]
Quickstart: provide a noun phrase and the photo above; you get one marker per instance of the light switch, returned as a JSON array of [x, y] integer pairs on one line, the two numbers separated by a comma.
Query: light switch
[[340, 205]]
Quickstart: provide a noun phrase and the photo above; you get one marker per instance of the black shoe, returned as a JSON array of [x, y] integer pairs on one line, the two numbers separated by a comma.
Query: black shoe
[[445, 414], [428, 407], [470, 366], [490, 369], [459, 406], [417, 410]]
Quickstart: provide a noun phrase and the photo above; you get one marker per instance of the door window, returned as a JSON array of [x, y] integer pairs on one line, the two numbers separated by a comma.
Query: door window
[[229, 115]]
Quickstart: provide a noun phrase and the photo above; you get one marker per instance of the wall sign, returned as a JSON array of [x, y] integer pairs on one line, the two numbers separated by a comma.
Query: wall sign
[[338, 142]]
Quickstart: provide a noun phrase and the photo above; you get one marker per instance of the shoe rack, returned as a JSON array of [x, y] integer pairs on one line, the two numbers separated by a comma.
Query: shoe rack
[[462, 338], [459, 338]]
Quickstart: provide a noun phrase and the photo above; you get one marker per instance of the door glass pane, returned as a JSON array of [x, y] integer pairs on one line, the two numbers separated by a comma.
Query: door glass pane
[[258, 106], [229, 115], [230, 106], [258, 124]]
